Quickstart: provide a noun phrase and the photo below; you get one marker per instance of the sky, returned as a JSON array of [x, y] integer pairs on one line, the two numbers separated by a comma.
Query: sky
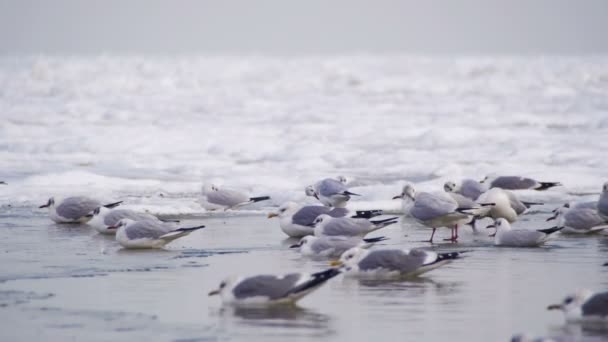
[[304, 27]]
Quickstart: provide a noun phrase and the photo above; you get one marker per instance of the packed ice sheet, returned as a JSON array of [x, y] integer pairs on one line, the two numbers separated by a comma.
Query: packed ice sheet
[[150, 131]]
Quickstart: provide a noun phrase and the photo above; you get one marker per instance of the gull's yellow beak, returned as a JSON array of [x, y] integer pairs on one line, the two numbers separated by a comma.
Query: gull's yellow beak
[[335, 263], [271, 215], [214, 292]]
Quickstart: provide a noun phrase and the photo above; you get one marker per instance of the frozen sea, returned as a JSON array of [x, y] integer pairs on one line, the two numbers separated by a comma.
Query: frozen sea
[[152, 130]]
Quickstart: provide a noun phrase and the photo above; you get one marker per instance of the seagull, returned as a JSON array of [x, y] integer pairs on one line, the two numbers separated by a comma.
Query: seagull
[[331, 192], [332, 246], [505, 236], [578, 220], [434, 211], [391, 263], [468, 188], [466, 202], [268, 290], [296, 220], [147, 234], [74, 209], [517, 183], [325, 225], [602, 203], [227, 198], [584, 305], [102, 218], [506, 204]]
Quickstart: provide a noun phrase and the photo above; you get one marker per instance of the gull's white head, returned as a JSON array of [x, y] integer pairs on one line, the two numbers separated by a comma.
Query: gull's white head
[[321, 220], [571, 305], [123, 223], [449, 186], [225, 288], [489, 178], [408, 192], [558, 213], [350, 259], [342, 179], [207, 188], [49, 204], [500, 224], [310, 191], [605, 188], [286, 209], [305, 241]]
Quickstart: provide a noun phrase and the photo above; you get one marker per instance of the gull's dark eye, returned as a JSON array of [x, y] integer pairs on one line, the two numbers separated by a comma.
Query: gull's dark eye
[[222, 285], [350, 256], [282, 210], [568, 300]]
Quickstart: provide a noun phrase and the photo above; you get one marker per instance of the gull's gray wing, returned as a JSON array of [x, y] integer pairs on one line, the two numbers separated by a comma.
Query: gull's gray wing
[[226, 197], [522, 237], [472, 189], [597, 305], [308, 214], [329, 187], [516, 204], [583, 218], [76, 207], [118, 214], [146, 230], [269, 286], [462, 201], [338, 212], [428, 206], [602, 205], [513, 183], [344, 226], [392, 260]]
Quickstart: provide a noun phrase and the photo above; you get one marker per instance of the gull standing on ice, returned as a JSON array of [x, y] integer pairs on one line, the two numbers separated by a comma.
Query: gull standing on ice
[[75, 209], [102, 218], [578, 220], [332, 246], [268, 290], [227, 198], [325, 225], [505, 236], [296, 220], [468, 188], [517, 183], [391, 263], [435, 211], [584, 306], [148, 234], [330, 192]]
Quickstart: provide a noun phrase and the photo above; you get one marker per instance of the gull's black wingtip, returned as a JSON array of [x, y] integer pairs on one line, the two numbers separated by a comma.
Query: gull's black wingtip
[[550, 230], [258, 199], [547, 185], [112, 205]]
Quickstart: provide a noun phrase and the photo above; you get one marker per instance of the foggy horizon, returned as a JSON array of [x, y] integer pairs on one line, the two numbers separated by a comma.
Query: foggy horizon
[[273, 27]]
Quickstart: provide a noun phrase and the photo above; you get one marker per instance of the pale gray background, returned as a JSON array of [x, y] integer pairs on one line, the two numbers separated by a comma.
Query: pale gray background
[[304, 27]]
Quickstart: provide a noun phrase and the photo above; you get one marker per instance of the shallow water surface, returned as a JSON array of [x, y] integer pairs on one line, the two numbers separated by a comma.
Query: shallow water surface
[[66, 281]]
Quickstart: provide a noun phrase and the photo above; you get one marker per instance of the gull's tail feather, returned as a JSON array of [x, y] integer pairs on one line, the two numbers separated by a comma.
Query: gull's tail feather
[[177, 233], [550, 230], [317, 279], [348, 193], [112, 205], [547, 185], [375, 239], [367, 214]]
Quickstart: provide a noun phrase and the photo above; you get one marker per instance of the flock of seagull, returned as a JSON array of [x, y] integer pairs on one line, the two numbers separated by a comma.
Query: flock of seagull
[[330, 230]]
